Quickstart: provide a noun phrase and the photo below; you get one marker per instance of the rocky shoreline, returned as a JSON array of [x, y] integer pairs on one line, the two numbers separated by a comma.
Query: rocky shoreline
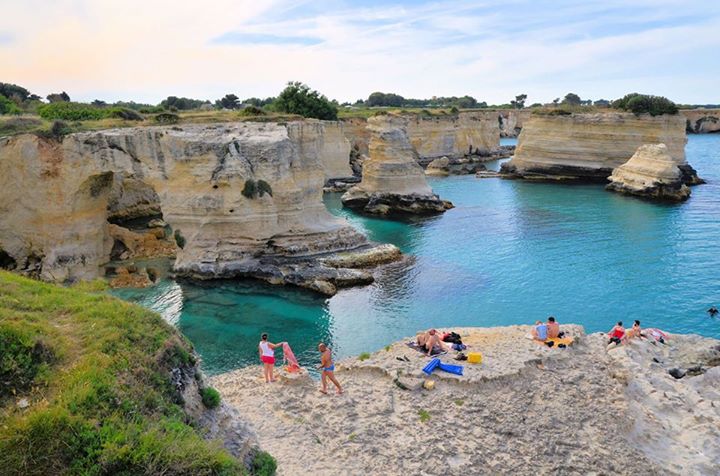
[[526, 409]]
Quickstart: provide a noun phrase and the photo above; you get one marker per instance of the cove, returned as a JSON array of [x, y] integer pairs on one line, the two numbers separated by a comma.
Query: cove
[[510, 252]]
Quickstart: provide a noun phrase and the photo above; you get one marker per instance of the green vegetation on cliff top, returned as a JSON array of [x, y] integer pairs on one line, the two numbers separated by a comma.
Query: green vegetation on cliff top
[[85, 387]]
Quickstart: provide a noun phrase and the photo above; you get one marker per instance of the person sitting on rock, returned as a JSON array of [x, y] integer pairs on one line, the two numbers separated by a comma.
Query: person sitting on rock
[[713, 311], [634, 331], [617, 334], [553, 328], [433, 344], [540, 331]]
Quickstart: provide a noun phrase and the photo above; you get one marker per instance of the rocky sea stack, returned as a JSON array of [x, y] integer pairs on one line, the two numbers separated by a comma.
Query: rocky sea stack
[[652, 173], [393, 182], [588, 147]]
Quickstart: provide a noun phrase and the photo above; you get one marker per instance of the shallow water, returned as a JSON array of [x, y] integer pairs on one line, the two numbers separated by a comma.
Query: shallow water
[[510, 252]]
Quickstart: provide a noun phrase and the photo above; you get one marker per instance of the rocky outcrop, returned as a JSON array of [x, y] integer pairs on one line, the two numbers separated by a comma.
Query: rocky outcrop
[[587, 147], [701, 121], [511, 121], [241, 200], [392, 181], [652, 173], [439, 167], [333, 149], [456, 135]]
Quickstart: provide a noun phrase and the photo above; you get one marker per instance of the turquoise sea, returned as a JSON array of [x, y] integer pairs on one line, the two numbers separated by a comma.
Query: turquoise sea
[[510, 252]]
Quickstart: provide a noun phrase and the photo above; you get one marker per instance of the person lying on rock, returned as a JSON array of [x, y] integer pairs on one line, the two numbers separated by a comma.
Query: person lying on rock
[[616, 334], [540, 331], [553, 328], [434, 345], [634, 331], [328, 369]]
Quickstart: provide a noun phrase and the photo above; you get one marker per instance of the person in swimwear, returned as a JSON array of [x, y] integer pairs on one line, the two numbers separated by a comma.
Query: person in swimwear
[[540, 331], [616, 334], [328, 369], [553, 328], [433, 343], [634, 331], [713, 311], [267, 357]]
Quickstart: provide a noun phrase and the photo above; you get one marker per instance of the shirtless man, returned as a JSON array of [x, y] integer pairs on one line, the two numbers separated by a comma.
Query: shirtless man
[[433, 342], [328, 369], [553, 328]]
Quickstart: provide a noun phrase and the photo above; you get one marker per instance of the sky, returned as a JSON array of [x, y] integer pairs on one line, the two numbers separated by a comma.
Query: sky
[[146, 50]]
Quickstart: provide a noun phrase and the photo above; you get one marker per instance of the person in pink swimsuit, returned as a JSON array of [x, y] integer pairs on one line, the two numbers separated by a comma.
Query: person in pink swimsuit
[[267, 356]]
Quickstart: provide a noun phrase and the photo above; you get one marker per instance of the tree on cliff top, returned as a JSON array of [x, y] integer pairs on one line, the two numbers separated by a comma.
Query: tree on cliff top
[[58, 97], [644, 103], [230, 101], [572, 99], [298, 98], [519, 101]]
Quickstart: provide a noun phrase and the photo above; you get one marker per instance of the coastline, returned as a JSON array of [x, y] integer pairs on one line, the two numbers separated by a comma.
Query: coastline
[[526, 409]]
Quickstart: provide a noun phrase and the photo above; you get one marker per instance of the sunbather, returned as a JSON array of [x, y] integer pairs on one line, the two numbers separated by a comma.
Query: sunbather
[[540, 331], [634, 331], [553, 328], [616, 334], [433, 344]]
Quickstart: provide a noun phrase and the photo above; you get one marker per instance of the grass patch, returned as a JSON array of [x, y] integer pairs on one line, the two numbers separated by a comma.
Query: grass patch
[[263, 464], [97, 374], [459, 402], [364, 356], [210, 397], [424, 415], [388, 347]]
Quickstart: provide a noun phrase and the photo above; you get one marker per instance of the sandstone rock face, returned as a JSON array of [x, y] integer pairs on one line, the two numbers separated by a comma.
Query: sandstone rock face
[[56, 198], [333, 149], [701, 121], [588, 147], [511, 121], [439, 167], [357, 133], [392, 182], [466, 133], [651, 172]]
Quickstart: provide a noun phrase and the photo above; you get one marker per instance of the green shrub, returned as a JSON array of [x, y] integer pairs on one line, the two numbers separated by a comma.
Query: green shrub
[[250, 189], [210, 397], [71, 111], [16, 125], [424, 415], [151, 109], [263, 464], [179, 239], [454, 110], [251, 111], [298, 98], [363, 356], [167, 118], [124, 113], [263, 187], [8, 107], [646, 104]]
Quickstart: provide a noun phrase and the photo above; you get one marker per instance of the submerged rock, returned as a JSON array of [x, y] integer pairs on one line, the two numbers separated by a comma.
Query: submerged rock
[[652, 173], [393, 182]]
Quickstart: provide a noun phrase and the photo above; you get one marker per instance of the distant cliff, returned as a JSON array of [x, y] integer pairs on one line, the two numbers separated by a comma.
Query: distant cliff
[[701, 121], [511, 121], [590, 146], [240, 199]]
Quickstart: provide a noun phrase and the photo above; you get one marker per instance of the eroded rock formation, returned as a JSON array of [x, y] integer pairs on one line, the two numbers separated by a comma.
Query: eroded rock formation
[[651, 172], [466, 133], [511, 121], [701, 121], [587, 147], [392, 182], [241, 200]]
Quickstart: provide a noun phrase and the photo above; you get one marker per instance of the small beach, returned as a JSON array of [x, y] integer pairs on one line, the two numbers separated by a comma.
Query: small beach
[[526, 409]]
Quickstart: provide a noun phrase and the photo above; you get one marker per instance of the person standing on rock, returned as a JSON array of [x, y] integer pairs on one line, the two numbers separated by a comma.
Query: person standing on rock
[[267, 356], [328, 369]]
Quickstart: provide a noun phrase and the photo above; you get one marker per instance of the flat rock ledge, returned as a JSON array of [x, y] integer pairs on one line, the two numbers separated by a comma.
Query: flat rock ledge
[[322, 273], [526, 409], [378, 203]]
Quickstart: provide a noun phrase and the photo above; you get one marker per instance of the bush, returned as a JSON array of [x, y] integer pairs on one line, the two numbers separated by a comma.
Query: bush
[[71, 111], [167, 118], [263, 187], [363, 356], [646, 104], [179, 239], [263, 464], [8, 107], [252, 111], [210, 397], [250, 189], [18, 124], [298, 98], [124, 113]]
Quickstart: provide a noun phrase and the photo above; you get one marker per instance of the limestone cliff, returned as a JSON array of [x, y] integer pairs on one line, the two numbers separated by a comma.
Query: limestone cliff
[[651, 172], [331, 145], [241, 199], [511, 121], [701, 121], [466, 133], [589, 146], [392, 182]]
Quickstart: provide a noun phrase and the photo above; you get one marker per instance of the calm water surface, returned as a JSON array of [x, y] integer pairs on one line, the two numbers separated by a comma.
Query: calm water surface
[[509, 253]]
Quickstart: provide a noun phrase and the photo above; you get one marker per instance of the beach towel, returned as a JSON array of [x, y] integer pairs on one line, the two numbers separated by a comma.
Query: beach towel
[[567, 341], [414, 345], [656, 334], [289, 359]]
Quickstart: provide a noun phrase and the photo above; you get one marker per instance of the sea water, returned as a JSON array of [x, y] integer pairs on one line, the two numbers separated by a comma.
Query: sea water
[[510, 252]]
